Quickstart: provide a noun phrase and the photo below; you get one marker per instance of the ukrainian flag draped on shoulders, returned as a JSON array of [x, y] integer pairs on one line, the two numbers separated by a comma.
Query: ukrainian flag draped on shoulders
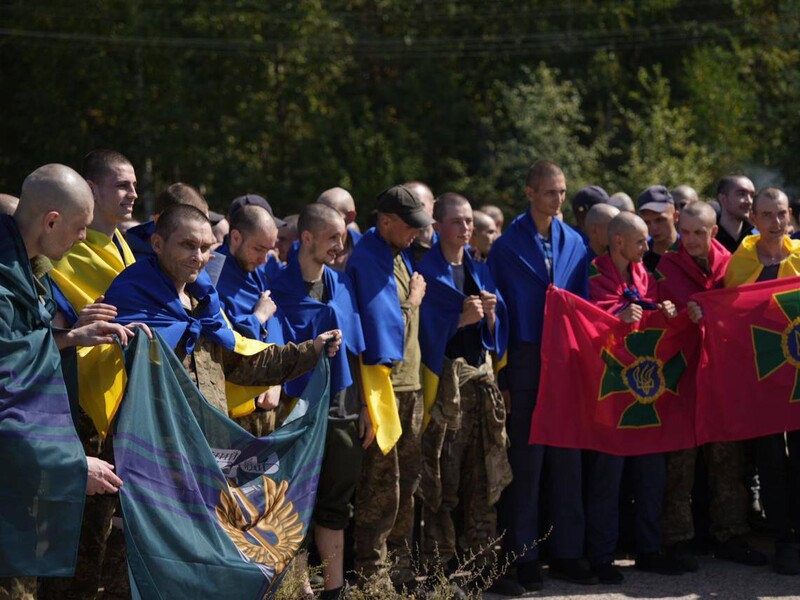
[[90, 266], [440, 311], [307, 318], [371, 271], [210, 510], [240, 291], [745, 266], [43, 478], [143, 293], [517, 264], [679, 275]]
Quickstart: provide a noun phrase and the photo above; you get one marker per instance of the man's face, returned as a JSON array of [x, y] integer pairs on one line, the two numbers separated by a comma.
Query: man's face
[[633, 244], [399, 233], [251, 248], [483, 237], [326, 244], [771, 217], [184, 254], [661, 225], [548, 196], [738, 201], [115, 193], [286, 237], [455, 229], [68, 228], [696, 236]]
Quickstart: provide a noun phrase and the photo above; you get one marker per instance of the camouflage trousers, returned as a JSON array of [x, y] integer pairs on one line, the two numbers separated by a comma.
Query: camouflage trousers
[[18, 588], [727, 490], [384, 503], [464, 441], [259, 423]]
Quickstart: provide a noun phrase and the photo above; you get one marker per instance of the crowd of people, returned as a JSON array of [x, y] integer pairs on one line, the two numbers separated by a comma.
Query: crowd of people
[[433, 321]]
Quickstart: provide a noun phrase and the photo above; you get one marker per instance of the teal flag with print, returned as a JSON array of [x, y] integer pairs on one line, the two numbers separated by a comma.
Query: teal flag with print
[[210, 510]]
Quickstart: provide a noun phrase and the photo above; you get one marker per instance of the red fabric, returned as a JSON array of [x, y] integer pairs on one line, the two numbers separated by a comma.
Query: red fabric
[[584, 399], [679, 276], [749, 386], [606, 285]]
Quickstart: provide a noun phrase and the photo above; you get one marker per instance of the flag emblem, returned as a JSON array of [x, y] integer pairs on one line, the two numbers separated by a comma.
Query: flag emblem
[[773, 349], [646, 378]]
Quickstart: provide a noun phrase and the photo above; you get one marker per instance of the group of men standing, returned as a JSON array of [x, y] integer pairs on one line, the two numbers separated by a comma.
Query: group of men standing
[[434, 326]]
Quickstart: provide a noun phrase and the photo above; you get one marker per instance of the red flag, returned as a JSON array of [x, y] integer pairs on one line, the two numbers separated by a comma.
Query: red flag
[[749, 375], [619, 388]]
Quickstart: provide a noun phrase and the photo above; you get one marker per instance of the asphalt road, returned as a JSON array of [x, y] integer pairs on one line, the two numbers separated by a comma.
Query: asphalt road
[[716, 579]]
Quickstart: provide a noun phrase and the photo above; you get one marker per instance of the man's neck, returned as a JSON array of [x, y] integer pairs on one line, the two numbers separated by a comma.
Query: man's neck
[[101, 225], [731, 224], [662, 247], [623, 266], [703, 263], [453, 254], [309, 268], [771, 250], [543, 223], [31, 246], [598, 250]]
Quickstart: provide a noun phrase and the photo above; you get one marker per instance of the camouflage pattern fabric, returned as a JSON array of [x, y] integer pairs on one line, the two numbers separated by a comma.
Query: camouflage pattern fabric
[[728, 494], [384, 505]]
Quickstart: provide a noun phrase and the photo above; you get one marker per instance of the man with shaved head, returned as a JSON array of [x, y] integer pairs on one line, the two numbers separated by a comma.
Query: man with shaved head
[[620, 285], [43, 480], [484, 233], [340, 200], [536, 250], [764, 257], [138, 237], [683, 194], [495, 213], [8, 204], [596, 225], [622, 201], [314, 297], [697, 265], [428, 237]]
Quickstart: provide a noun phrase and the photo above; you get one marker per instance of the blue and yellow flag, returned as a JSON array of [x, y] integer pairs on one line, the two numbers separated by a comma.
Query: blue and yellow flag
[[439, 314], [43, 477], [211, 511]]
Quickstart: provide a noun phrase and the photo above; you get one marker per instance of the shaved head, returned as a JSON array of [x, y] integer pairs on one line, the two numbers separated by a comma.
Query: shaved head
[[423, 193], [8, 204], [625, 222], [622, 201], [600, 214], [315, 217], [702, 211], [252, 217], [683, 194], [55, 207], [339, 199], [57, 188], [481, 220]]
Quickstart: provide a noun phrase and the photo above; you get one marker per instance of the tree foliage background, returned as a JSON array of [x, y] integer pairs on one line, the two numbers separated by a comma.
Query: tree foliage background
[[288, 97]]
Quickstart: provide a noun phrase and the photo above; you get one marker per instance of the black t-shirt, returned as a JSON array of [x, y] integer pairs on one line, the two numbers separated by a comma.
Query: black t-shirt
[[467, 342], [731, 243], [769, 273]]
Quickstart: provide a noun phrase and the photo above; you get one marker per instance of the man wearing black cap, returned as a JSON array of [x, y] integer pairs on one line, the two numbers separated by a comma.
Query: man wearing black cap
[[582, 201], [388, 294], [657, 209]]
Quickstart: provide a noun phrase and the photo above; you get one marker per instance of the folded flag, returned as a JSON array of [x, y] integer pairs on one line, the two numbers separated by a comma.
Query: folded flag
[[615, 387], [211, 511], [750, 367]]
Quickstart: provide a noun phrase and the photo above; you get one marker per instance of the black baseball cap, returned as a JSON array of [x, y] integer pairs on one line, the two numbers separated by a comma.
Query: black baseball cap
[[401, 201], [254, 200], [587, 197], [656, 198]]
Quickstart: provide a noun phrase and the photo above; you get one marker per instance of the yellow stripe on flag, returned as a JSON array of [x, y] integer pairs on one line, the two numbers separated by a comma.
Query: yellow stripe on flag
[[382, 404]]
